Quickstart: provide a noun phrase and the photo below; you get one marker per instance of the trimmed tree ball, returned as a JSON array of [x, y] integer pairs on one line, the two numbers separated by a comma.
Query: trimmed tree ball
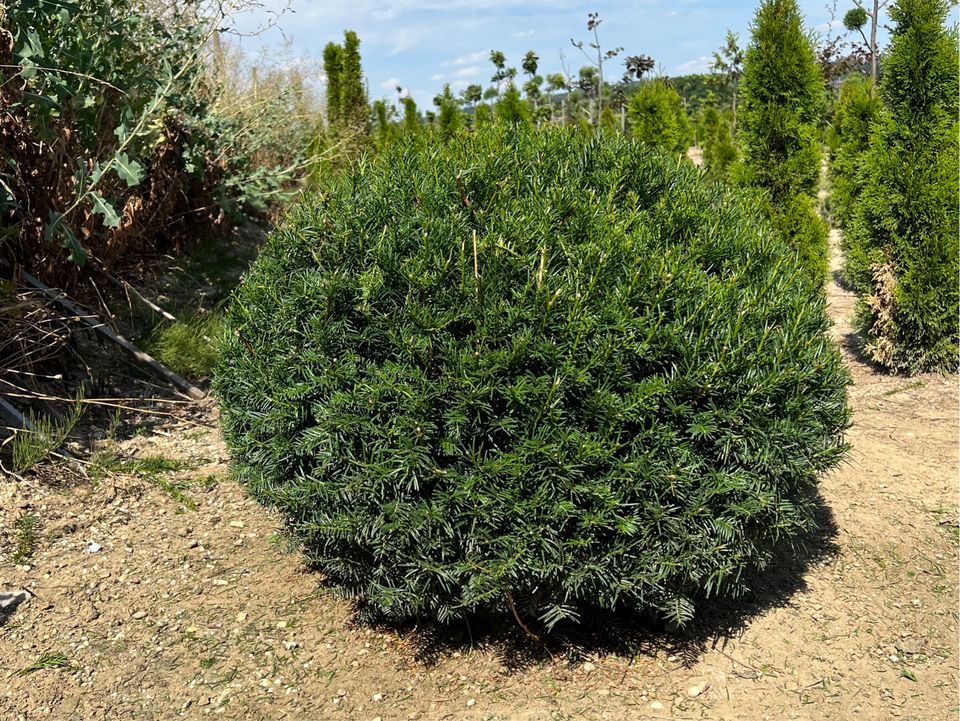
[[534, 372]]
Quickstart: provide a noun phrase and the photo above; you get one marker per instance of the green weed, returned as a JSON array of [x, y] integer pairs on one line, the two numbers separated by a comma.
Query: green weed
[[908, 387], [188, 347], [44, 661], [26, 537], [150, 468], [29, 447]]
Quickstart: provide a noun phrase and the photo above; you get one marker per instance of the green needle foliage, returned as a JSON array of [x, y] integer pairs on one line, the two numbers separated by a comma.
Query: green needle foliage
[[902, 248], [657, 117], [332, 68], [540, 371], [719, 149], [189, 346], [511, 108], [411, 120], [782, 103], [848, 139], [353, 97]]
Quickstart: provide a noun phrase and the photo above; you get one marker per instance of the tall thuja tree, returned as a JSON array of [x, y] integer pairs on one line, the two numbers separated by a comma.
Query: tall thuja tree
[[332, 67], [902, 249], [353, 97], [384, 128], [411, 119], [719, 150], [511, 108], [657, 117], [848, 139], [449, 119], [782, 102]]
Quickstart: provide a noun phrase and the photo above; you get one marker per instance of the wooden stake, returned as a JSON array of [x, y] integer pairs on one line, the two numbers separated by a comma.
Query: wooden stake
[[95, 323]]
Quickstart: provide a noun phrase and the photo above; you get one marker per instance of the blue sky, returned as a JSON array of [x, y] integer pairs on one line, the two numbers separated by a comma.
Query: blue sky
[[422, 44]]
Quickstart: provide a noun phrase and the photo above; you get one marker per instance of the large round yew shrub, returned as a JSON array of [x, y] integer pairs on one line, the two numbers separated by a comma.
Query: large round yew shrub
[[533, 371]]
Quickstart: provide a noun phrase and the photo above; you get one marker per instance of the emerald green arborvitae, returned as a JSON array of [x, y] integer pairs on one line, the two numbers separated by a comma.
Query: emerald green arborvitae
[[353, 97], [657, 117], [511, 108], [902, 248], [384, 129], [719, 149], [332, 68], [449, 119], [411, 120], [782, 102], [848, 139], [536, 370]]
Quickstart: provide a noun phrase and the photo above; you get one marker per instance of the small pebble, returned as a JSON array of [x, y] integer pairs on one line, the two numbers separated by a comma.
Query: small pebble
[[588, 667], [656, 706], [471, 702], [695, 691], [139, 614], [377, 697]]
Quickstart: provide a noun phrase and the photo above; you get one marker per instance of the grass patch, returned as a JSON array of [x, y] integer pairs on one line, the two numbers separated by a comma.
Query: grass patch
[[29, 447], [908, 387], [106, 462], [150, 468], [45, 661], [208, 482], [26, 526], [188, 347]]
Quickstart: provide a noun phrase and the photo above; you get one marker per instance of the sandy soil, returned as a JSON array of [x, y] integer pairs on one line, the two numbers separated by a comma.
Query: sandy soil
[[185, 613]]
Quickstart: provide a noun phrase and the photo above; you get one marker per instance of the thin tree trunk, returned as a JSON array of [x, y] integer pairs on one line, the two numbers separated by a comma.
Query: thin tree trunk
[[873, 41], [734, 126]]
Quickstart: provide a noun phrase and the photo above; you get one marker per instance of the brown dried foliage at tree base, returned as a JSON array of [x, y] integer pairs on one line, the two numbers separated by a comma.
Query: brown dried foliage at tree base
[[882, 305]]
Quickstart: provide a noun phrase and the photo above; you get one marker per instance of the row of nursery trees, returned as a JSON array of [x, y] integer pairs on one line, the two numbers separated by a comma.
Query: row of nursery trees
[[893, 175], [134, 125], [892, 145]]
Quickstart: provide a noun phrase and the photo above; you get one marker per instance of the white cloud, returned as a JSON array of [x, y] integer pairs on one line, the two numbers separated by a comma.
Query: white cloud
[[697, 65], [437, 77], [390, 84], [468, 72], [468, 58], [834, 24], [525, 33]]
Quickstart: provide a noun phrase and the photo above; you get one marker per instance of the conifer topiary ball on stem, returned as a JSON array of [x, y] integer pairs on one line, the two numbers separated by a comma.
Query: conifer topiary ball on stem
[[531, 372]]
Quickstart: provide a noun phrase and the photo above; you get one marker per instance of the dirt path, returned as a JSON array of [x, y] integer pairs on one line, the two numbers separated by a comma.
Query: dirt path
[[184, 613]]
